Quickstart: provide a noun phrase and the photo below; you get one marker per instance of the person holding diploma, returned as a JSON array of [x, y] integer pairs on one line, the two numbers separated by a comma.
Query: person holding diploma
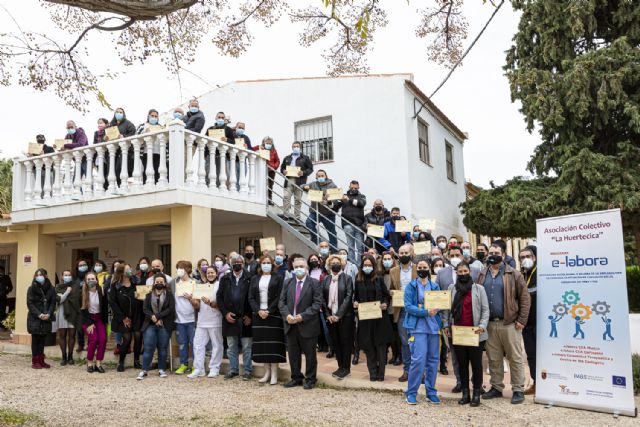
[[94, 318], [208, 330], [470, 307], [374, 335], [127, 313], [423, 326], [324, 211], [267, 328], [160, 315], [385, 264], [401, 275], [292, 184], [185, 315], [272, 164]]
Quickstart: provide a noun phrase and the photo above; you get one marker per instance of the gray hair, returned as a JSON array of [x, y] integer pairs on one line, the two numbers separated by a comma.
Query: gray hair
[[267, 138], [237, 257], [300, 259], [408, 246]]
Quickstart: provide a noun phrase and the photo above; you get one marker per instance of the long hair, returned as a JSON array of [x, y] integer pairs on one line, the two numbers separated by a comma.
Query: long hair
[[85, 290], [44, 273], [361, 276], [118, 274]]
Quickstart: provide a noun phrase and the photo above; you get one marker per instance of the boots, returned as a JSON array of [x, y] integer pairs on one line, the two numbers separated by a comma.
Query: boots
[[465, 397], [475, 400], [43, 363], [274, 374], [35, 362], [267, 373]]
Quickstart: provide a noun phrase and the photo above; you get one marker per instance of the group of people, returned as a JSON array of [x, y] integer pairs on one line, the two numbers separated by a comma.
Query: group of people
[[271, 304]]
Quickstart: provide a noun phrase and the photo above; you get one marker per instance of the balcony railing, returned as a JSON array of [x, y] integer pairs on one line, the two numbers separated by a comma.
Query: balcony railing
[[184, 160]]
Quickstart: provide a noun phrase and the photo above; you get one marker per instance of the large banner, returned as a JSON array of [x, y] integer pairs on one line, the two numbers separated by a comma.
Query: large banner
[[583, 350]]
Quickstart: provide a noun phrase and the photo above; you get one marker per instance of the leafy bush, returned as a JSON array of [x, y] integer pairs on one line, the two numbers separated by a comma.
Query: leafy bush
[[635, 362], [633, 288], [10, 321]]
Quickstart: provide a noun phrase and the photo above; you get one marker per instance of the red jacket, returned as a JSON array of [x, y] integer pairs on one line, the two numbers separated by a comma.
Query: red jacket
[[274, 160]]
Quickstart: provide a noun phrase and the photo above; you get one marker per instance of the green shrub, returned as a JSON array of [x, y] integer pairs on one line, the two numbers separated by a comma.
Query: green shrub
[[10, 321], [635, 363], [633, 288]]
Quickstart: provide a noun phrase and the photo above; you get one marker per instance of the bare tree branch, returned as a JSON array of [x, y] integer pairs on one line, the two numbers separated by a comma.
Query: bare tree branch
[[137, 9]]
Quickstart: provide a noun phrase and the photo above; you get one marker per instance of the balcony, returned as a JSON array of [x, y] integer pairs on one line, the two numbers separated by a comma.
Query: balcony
[[79, 182]]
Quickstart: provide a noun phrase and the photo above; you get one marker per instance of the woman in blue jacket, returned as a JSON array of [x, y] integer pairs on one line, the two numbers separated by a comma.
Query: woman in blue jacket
[[423, 326]]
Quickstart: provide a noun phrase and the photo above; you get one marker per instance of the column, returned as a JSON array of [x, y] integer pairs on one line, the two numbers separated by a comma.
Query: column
[[190, 233]]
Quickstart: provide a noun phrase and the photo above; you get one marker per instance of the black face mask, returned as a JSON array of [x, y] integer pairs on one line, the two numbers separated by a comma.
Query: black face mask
[[494, 259], [378, 209], [405, 259], [249, 255], [159, 286], [423, 274], [336, 268], [313, 264], [155, 270], [480, 255], [395, 218], [237, 267], [353, 192], [464, 279]]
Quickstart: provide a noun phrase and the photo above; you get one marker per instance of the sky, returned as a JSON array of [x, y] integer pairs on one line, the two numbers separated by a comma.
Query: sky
[[476, 98]]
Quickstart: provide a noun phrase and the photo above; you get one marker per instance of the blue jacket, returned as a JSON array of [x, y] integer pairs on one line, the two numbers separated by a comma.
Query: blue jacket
[[393, 239], [411, 304]]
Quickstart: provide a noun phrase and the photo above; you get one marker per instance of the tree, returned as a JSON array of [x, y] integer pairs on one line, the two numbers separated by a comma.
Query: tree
[[6, 176], [575, 67], [173, 29]]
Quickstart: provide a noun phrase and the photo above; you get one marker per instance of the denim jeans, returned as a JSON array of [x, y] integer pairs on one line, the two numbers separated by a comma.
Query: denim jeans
[[155, 337], [184, 335], [355, 242], [404, 338], [232, 354], [329, 222]]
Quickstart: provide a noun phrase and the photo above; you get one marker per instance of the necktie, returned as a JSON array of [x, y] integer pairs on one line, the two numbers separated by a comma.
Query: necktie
[[295, 302]]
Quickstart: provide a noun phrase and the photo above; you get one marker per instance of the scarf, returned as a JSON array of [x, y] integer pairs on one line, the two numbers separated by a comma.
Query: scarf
[[157, 301], [462, 289], [333, 294]]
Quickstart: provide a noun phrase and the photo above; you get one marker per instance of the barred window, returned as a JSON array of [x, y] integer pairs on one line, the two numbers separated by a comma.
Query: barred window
[[316, 138], [449, 159], [423, 142]]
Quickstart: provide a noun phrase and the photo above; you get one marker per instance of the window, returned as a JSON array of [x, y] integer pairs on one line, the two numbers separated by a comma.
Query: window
[[254, 241], [165, 256], [449, 158], [316, 138], [423, 142]]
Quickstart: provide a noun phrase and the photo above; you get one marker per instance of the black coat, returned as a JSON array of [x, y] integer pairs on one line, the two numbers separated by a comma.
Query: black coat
[[194, 121], [273, 298], [250, 269], [167, 313], [373, 332], [309, 305], [73, 302], [124, 304], [125, 127], [240, 308], [41, 299], [303, 162], [104, 310], [531, 277], [353, 213], [5, 285], [345, 295]]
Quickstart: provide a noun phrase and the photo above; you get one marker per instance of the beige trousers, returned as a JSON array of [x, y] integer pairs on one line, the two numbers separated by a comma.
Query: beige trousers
[[505, 340]]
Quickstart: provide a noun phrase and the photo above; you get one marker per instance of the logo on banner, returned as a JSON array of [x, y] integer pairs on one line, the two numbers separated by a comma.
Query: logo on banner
[[572, 305], [566, 390], [579, 261], [619, 381]]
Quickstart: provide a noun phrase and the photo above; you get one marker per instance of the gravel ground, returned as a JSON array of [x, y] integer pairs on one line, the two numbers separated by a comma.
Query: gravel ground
[[70, 396]]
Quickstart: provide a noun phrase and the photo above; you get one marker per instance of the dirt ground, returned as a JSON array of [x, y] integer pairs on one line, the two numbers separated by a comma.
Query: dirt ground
[[69, 396]]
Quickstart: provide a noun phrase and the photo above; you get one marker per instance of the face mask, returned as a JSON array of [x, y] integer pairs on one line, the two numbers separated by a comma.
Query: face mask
[[92, 284], [194, 110], [354, 191], [279, 260], [180, 272], [144, 267], [240, 132], [97, 268], [324, 252], [322, 180], [128, 272], [119, 116], [416, 234], [153, 120], [237, 267], [155, 270], [336, 268], [158, 286], [299, 272], [395, 218], [423, 274], [219, 122], [378, 209], [218, 264], [71, 131], [466, 253], [203, 269], [83, 269], [464, 279], [101, 126], [442, 246], [313, 264], [494, 259], [67, 279], [480, 255], [296, 150], [437, 269], [405, 259], [527, 263], [40, 279], [455, 261], [367, 270], [387, 263], [267, 146], [177, 115], [249, 255], [266, 268]]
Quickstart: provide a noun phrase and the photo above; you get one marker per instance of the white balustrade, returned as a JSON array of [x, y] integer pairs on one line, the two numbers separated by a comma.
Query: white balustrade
[[202, 180], [223, 168], [47, 177], [87, 188], [232, 171], [242, 181], [99, 187], [124, 167], [252, 174], [137, 166], [190, 179], [57, 180], [162, 167], [213, 176], [37, 188], [150, 176], [67, 185], [113, 150]]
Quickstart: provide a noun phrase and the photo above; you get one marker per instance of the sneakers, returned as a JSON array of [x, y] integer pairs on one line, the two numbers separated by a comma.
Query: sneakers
[[433, 399], [231, 375], [518, 397], [213, 374], [492, 394], [195, 374], [141, 375], [162, 373], [247, 376], [182, 369], [411, 400]]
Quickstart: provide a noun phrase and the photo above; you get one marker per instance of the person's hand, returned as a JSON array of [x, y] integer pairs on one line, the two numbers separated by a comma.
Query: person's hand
[[298, 318], [47, 317], [41, 317], [519, 326], [187, 295], [90, 329], [393, 251], [154, 319], [300, 173], [127, 322], [246, 320], [291, 320], [66, 291], [230, 318], [433, 311], [213, 304], [334, 319], [206, 300], [447, 332], [263, 314], [383, 306], [479, 330], [355, 304], [223, 138], [403, 234], [159, 323], [345, 198], [305, 188]]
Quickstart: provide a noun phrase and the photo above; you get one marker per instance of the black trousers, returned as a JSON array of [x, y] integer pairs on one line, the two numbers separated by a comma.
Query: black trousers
[[443, 351], [297, 347], [3, 308], [529, 338], [376, 360], [342, 339], [37, 344], [127, 337], [470, 355]]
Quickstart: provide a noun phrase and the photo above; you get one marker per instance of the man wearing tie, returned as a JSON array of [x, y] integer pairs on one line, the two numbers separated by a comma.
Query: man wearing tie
[[300, 304]]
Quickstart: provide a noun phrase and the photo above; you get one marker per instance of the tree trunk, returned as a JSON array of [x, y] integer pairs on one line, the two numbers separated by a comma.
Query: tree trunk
[[137, 9]]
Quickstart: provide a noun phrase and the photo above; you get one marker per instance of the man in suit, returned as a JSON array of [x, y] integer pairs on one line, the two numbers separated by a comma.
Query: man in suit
[[251, 264], [401, 276], [445, 278], [236, 324], [300, 303]]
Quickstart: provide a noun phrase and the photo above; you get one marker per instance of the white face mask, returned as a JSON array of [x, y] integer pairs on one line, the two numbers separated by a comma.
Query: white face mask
[[180, 272], [435, 270], [455, 261], [527, 263], [442, 245], [218, 264]]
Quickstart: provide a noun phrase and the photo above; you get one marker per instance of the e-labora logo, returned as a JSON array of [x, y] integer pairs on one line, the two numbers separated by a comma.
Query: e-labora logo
[[578, 261], [619, 381]]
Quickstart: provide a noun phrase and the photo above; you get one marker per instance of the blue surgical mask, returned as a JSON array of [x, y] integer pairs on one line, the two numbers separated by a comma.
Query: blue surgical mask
[[240, 132], [267, 146], [219, 122], [71, 131], [322, 180], [299, 272], [83, 269], [387, 263], [367, 270], [97, 268], [119, 116], [279, 259], [40, 279], [466, 253], [153, 120], [324, 252], [177, 115], [67, 279], [194, 110], [266, 268], [296, 150], [416, 234]]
